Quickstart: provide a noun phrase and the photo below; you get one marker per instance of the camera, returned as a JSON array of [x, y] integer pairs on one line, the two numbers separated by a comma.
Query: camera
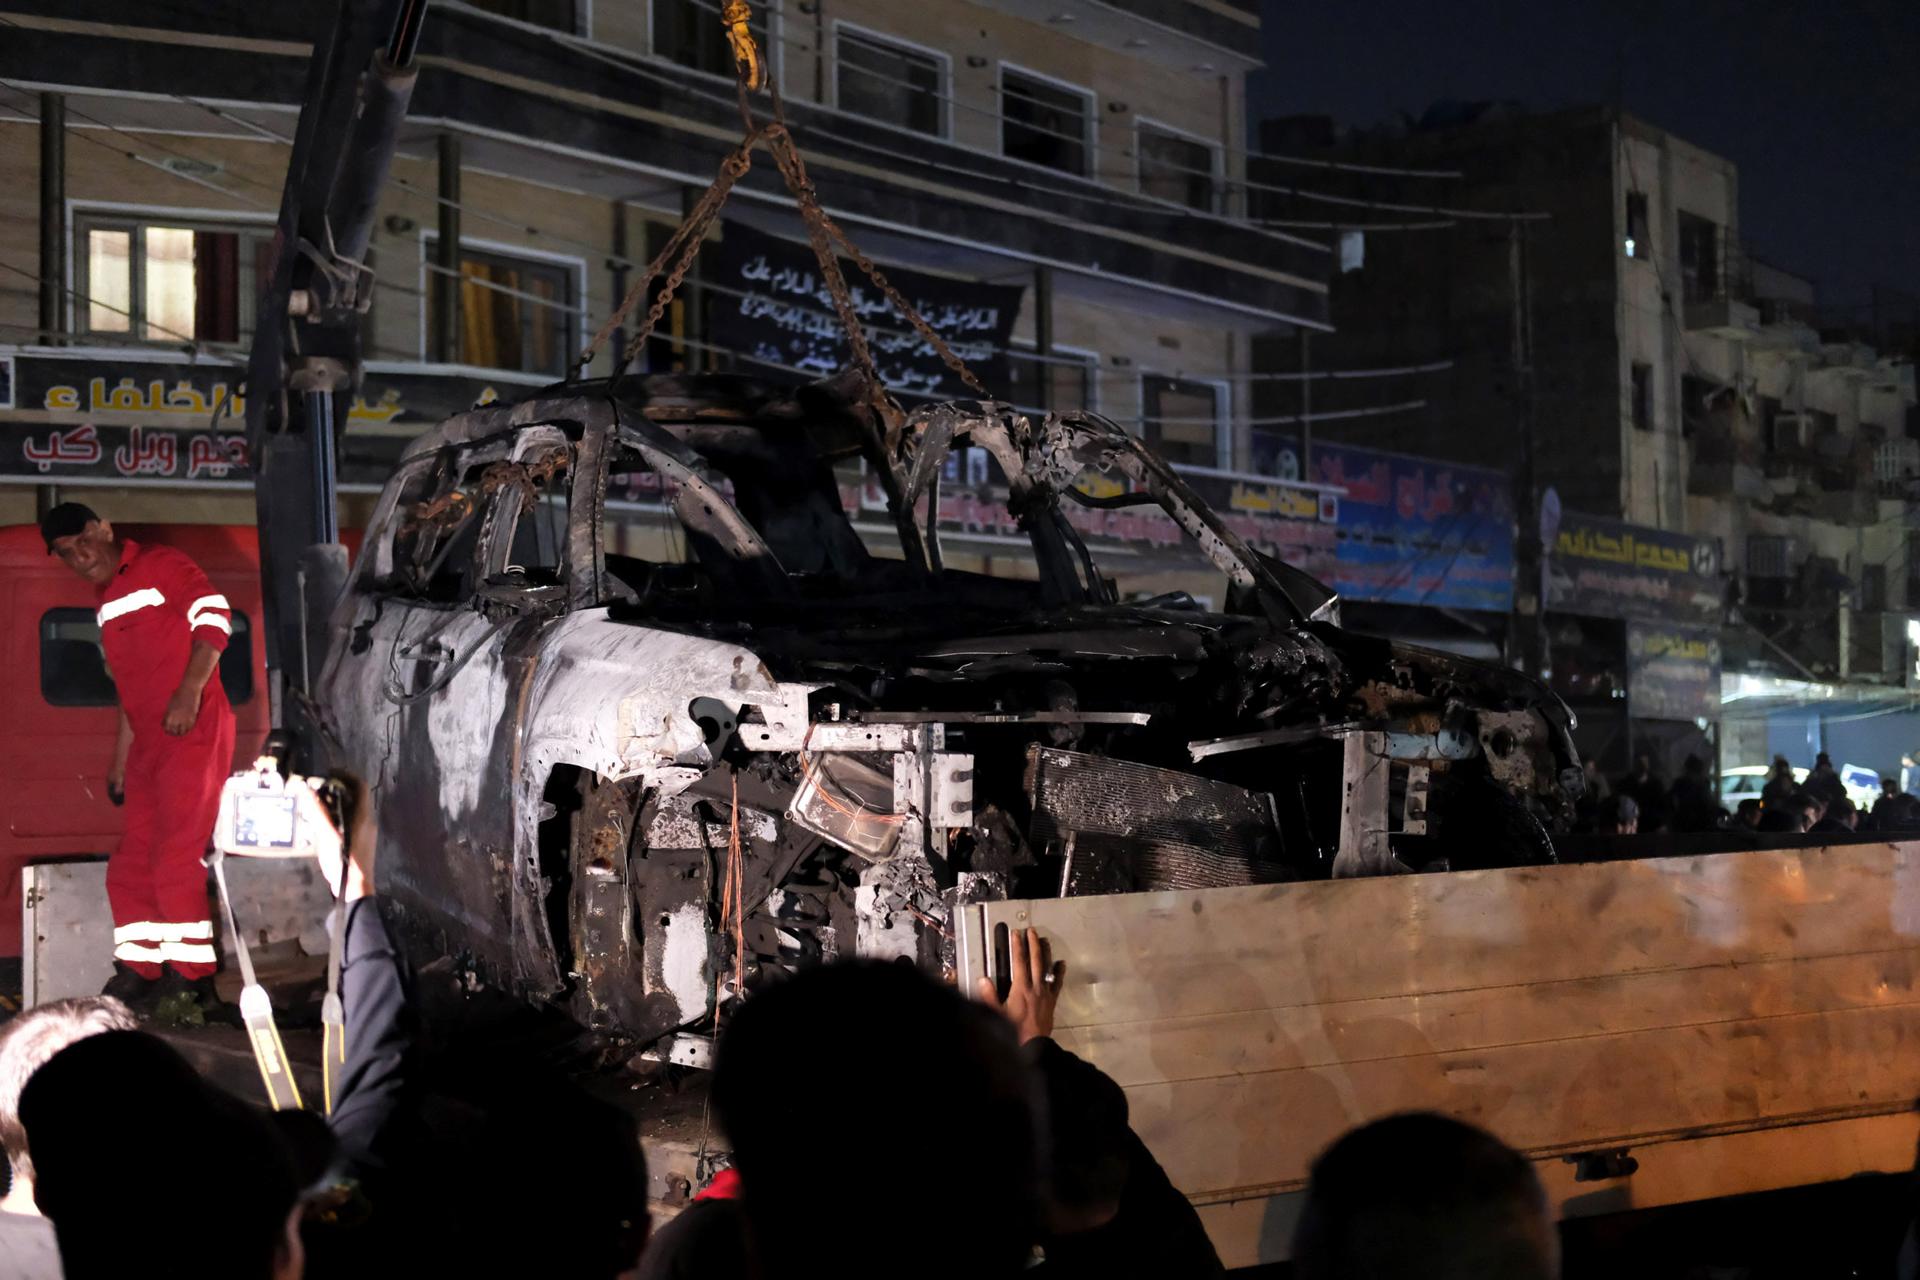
[[265, 813]]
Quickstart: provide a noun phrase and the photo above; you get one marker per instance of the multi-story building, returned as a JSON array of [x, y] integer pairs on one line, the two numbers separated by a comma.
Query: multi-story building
[[1587, 279], [1072, 170]]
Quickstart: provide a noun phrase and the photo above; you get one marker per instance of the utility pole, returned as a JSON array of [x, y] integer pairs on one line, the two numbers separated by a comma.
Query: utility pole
[[53, 217], [1306, 403], [445, 294], [1043, 337], [1528, 632]]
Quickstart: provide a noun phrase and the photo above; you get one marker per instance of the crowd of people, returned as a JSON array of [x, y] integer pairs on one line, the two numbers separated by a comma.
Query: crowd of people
[[878, 1123], [1643, 802]]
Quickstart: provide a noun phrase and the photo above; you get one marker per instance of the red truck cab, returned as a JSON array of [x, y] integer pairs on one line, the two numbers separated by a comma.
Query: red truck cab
[[61, 716]]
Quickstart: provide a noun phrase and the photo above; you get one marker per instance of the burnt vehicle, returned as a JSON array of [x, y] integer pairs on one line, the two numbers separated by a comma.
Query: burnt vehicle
[[641, 780]]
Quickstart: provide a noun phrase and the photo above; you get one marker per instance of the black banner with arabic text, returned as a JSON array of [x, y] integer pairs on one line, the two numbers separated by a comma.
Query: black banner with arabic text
[[777, 310]]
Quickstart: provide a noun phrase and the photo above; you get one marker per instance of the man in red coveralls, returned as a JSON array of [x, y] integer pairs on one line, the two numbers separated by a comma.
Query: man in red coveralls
[[162, 627]]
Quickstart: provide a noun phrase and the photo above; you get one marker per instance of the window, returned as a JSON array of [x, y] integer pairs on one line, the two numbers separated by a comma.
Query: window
[[557, 14], [164, 282], [515, 313], [1873, 588], [1639, 242], [1697, 396], [1044, 123], [688, 33], [1643, 396], [1353, 251], [1699, 259], [890, 82], [73, 669], [1181, 419], [1066, 378], [1824, 423], [1177, 168]]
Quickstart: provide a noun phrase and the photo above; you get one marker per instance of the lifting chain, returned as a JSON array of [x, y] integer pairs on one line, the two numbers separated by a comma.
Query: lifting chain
[[824, 235]]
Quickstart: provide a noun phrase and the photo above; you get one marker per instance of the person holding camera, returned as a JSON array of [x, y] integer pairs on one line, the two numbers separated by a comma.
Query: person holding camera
[[292, 1192], [162, 630]]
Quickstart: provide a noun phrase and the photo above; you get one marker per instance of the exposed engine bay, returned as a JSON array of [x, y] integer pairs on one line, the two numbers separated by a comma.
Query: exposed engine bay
[[646, 784]]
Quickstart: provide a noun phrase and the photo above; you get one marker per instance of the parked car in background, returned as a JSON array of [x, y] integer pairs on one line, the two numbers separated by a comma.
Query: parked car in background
[[1746, 782]]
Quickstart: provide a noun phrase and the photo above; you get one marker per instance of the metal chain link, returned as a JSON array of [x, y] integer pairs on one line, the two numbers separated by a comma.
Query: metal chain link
[[691, 232], [824, 235]]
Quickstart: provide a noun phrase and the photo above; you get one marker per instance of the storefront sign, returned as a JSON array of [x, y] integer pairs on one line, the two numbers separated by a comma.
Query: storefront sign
[[1606, 569], [1415, 531], [1286, 522], [1673, 672], [777, 309], [109, 417]]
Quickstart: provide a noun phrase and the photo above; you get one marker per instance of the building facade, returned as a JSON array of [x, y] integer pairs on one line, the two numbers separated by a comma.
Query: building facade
[[1681, 400], [1079, 169]]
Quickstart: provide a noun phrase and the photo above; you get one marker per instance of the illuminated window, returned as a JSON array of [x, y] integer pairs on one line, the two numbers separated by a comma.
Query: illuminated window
[[515, 313], [170, 281], [1638, 243]]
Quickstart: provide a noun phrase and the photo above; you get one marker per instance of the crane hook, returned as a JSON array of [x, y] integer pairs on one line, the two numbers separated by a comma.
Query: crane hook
[[736, 16]]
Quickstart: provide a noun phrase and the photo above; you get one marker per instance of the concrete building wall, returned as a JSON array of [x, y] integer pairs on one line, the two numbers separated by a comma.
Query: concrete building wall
[[1126, 89], [1676, 178]]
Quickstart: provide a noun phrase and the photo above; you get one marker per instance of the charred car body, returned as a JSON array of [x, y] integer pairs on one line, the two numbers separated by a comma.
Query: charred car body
[[641, 784]]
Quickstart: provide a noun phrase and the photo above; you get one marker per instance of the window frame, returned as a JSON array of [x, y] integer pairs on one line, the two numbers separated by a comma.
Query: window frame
[[1091, 144], [943, 89], [772, 47], [242, 643], [1707, 282], [1216, 170], [1651, 420], [1642, 250], [1222, 421], [580, 26], [578, 318], [83, 215], [1022, 347]]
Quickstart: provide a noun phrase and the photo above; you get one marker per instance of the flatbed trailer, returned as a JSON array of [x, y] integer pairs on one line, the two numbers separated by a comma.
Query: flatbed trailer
[[1647, 1032]]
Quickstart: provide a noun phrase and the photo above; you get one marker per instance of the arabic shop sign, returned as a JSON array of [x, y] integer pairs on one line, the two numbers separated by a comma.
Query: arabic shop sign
[[1286, 522], [1673, 672], [1603, 568], [110, 417], [1416, 531], [777, 310]]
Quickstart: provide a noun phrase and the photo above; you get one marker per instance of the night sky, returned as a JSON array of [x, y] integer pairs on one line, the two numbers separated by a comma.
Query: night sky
[[1817, 103]]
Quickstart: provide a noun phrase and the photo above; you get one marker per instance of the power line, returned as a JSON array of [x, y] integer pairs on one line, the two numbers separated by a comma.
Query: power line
[[637, 65], [602, 251], [1310, 162], [198, 351]]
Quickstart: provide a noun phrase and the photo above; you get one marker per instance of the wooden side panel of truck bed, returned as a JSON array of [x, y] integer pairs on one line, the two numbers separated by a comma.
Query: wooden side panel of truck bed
[[1736, 1022]]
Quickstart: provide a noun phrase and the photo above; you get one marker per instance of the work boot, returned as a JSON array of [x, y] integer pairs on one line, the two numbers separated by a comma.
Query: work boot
[[130, 988], [187, 1002]]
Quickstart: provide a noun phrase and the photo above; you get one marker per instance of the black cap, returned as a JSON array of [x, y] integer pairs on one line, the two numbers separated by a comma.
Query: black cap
[[65, 520], [129, 1143]]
